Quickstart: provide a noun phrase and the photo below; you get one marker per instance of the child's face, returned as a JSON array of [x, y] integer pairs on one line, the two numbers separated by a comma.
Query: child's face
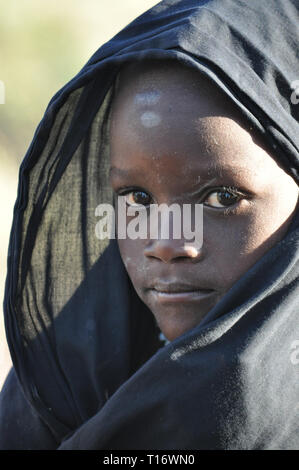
[[176, 139]]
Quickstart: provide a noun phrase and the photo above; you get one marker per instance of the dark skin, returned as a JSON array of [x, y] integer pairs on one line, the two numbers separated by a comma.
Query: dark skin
[[175, 138]]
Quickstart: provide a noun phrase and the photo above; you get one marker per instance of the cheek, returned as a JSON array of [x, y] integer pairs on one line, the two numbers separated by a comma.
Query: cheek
[[234, 244], [131, 252], [226, 249]]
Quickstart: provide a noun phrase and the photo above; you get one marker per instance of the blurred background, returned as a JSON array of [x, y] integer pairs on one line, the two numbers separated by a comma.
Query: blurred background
[[43, 44]]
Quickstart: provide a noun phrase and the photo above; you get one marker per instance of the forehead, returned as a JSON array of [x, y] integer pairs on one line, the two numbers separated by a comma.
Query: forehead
[[146, 84], [164, 112], [162, 99]]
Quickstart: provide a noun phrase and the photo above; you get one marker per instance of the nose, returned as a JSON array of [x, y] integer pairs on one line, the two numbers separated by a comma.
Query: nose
[[172, 250]]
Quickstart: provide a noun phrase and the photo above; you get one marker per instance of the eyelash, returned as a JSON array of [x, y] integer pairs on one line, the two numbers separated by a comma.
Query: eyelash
[[221, 189], [233, 192]]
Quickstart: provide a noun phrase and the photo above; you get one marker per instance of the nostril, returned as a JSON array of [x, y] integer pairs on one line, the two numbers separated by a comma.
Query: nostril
[[170, 250]]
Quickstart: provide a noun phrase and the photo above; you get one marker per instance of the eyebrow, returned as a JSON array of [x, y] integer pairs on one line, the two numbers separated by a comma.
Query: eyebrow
[[122, 171], [207, 173]]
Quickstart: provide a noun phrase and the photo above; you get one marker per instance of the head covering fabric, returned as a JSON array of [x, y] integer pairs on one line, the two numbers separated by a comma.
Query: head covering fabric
[[89, 368]]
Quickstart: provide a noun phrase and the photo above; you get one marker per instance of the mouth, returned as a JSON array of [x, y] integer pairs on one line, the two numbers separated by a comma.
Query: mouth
[[179, 292]]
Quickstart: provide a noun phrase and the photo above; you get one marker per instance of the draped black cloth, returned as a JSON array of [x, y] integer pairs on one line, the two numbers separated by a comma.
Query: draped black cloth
[[89, 370]]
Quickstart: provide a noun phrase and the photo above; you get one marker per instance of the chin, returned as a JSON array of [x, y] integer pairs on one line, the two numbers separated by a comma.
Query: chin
[[174, 328]]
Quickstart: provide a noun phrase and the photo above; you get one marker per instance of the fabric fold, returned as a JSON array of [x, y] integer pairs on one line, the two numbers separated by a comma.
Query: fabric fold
[[86, 351]]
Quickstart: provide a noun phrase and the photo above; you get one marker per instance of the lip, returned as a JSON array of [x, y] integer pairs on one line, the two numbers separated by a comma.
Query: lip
[[179, 292]]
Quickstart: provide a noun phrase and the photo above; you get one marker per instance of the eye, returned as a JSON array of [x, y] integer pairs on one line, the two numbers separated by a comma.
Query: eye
[[224, 197], [137, 198]]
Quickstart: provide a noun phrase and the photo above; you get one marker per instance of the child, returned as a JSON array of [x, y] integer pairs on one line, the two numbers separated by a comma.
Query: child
[[193, 142], [190, 104]]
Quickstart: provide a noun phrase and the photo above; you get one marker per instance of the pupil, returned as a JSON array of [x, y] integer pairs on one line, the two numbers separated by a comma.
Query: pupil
[[140, 197], [225, 197]]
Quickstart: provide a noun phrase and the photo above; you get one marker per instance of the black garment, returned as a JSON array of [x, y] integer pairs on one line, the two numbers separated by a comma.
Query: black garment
[[92, 371]]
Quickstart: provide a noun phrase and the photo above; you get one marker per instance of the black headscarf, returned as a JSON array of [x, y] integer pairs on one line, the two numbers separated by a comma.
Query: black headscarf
[[89, 370]]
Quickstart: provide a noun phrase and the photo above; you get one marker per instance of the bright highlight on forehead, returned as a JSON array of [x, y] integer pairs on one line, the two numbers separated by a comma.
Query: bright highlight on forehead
[[148, 98], [150, 119]]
